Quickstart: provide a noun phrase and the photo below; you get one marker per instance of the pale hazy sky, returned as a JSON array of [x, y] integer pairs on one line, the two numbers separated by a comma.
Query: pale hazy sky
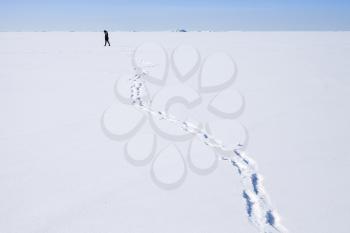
[[150, 15]]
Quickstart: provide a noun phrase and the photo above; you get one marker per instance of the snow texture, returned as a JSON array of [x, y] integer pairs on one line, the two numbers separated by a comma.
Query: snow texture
[[60, 173]]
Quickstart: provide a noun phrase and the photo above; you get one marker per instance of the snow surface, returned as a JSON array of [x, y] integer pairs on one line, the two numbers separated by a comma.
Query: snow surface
[[60, 173]]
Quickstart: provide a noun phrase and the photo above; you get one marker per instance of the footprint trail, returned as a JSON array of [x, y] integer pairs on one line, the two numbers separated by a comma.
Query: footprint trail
[[258, 207]]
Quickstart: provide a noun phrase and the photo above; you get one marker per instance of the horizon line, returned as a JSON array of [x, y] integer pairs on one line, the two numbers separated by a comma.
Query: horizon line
[[260, 30]]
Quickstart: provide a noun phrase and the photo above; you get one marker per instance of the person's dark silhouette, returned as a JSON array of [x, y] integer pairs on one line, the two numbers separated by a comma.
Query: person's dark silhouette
[[106, 38]]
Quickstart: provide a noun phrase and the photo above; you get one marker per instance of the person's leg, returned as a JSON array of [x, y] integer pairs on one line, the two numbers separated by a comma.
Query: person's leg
[[109, 43], [105, 42]]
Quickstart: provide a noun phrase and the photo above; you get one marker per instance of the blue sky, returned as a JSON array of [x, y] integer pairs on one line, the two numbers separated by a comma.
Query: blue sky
[[88, 15]]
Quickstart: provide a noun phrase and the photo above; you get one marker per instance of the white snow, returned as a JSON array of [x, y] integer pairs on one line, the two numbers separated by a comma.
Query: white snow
[[60, 173]]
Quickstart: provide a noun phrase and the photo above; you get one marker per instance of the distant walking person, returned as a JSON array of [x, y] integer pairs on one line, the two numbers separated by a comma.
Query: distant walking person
[[106, 38]]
